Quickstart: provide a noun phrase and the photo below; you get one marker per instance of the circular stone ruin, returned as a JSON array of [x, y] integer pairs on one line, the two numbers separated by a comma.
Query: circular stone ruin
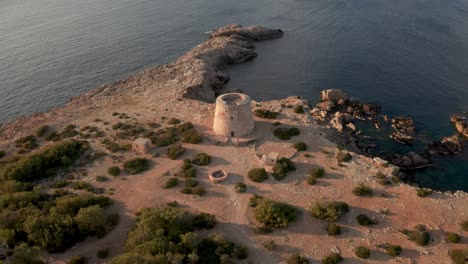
[[218, 175]]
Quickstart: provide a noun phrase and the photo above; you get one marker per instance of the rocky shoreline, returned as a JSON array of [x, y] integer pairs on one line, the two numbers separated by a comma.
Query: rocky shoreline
[[338, 114]]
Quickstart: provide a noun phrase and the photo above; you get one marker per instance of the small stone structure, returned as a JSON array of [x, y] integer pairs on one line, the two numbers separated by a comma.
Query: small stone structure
[[270, 159], [218, 175], [141, 145], [233, 115]]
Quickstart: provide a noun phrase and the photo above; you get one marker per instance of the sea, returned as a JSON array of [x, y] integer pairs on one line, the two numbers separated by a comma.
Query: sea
[[410, 56]]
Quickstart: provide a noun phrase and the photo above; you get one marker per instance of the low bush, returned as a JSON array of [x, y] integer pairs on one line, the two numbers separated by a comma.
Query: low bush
[[300, 146], [364, 220], [311, 180], [333, 258], [464, 225], [45, 162], [393, 250], [362, 252], [173, 121], [418, 236], [171, 182], [2, 153], [201, 159], [100, 178], [362, 190], [282, 133], [333, 229], [199, 190], [452, 237], [173, 204], [423, 192], [113, 171], [275, 214], [78, 260], [136, 165], [191, 183], [103, 253], [299, 109], [27, 142], [164, 139], [255, 200], [297, 259], [263, 230], [330, 211], [189, 173], [191, 136], [82, 185], [186, 190], [293, 131], [60, 184], [175, 151], [317, 172], [41, 131], [263, 113], [459, 256], [204, 221], [343, 157], [257, 174], [282, 167], [240, 187]]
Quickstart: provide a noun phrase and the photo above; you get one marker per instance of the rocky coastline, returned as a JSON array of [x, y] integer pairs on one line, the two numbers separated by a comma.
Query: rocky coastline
[[338, 114]]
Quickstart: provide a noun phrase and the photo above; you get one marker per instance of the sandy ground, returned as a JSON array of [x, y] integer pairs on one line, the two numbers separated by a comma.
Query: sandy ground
[[395, 206]]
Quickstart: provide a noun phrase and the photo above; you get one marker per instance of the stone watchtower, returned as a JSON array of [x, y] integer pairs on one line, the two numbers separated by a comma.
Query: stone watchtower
[[233, 115]]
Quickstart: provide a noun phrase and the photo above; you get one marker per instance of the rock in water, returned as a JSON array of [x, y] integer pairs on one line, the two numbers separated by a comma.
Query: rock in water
[[461, 124], [336, 96], [412, 160], [403, 130]]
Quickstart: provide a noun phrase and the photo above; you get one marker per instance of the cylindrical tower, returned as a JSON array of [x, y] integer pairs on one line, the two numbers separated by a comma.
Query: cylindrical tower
[[233, 115]]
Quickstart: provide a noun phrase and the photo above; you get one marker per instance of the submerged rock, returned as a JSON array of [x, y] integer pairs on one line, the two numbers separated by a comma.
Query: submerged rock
[[412, 160]]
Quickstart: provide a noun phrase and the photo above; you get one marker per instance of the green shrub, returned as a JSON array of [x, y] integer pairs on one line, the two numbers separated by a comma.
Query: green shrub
[[299, 109], [199, 190], [333, 258], [270, 244], [78, 260], [282, 133], [362, 190], [311, 180], [92, 220], [60, 184], [175, 151], [300, 146], [27, 142], [173, 204], [173, 121], [282, 167], [2, 153], [100, 178], [240, 187], [191, 183], [186, 190], [393, 250], [293, 131], [189, 173], [464, 225], [364, 220], [136, 165], [103, 253], [380, 175], [113, 171], [420, 237], [164, 139], [333, 229], [41, 131], [275, 214], [263, 230], [459, 256], [362, 252], [191, 136], [263, 113], [186, 126], [201, 159], [204, 221], [317, 172], [422, 192], [452, 237], [45, 162], [257, 174], [171, 182], [343, 157], [297, 259], [330, 211], [254, 200]]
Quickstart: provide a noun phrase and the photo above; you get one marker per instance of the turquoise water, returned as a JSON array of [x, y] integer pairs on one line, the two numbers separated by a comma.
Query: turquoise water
[[409, 56]]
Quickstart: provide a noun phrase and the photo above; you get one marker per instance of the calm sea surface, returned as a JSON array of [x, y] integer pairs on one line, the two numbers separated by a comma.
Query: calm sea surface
[[411, 56]]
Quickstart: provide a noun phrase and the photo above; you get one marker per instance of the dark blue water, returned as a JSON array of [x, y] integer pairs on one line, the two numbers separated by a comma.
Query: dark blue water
[[409, 56]]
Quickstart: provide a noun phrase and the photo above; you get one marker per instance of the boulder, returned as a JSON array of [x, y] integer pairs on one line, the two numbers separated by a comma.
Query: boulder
[[336, 96], [446, 146], [412, 160], [325, 106], [402, 138], [337, 122], [461, 124], [403, 123]]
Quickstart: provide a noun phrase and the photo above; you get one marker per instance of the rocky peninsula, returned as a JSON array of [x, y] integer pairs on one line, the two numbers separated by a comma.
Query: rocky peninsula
[[72, 185]]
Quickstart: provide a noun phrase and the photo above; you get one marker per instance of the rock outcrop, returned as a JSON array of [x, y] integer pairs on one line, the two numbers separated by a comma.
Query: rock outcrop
[[446, 146], [412, 160], [461, 124], [335, 96], [403, 130]]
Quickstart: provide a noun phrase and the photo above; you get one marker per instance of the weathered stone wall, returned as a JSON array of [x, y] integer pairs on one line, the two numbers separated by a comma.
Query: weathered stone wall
[[233, 115]]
